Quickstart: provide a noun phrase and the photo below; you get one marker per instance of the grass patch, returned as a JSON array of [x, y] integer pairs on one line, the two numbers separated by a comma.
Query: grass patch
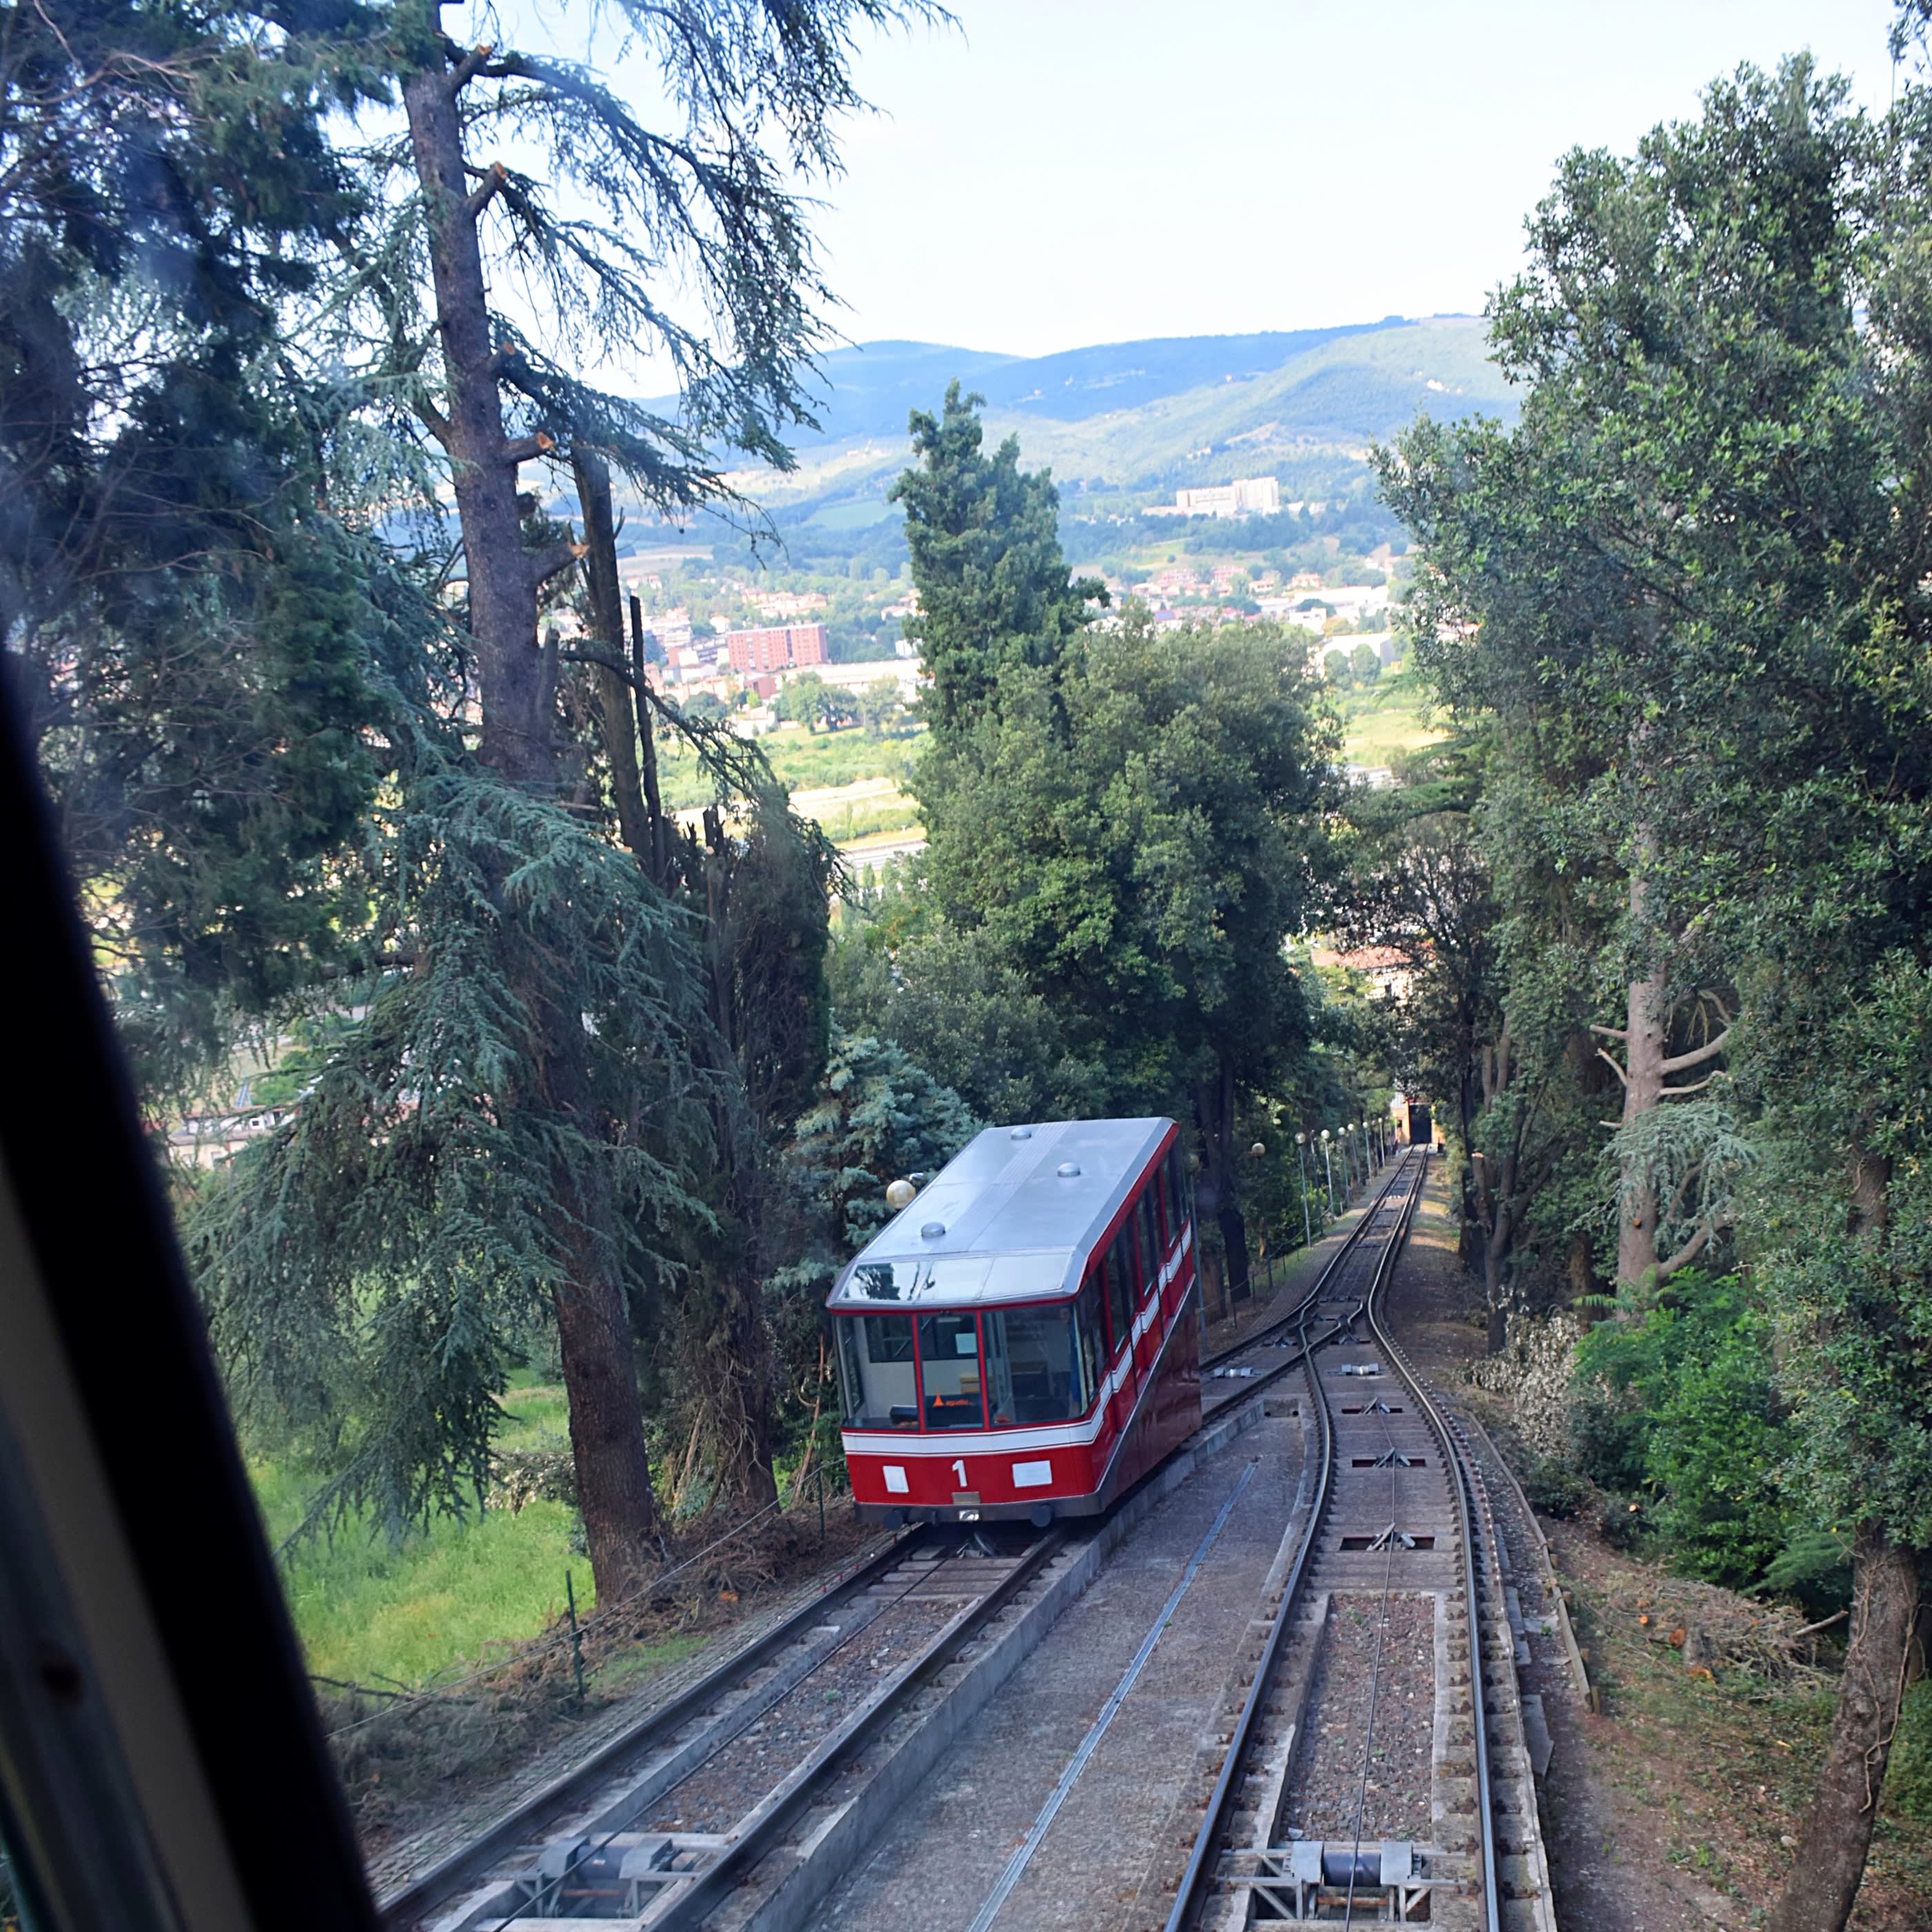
[[369, 1608], [859, 818], [802, 760], [1386, 720]]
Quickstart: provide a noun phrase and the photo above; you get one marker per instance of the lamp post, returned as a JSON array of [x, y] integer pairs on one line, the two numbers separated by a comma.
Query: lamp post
[[1328, 1162], [1350, 1179], [1365, 1143], [1301, 1168]]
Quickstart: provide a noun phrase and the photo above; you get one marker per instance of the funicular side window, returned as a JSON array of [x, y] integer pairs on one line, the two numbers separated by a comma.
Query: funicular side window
[[1089, 1337], [1033, 1365], [1150, 1243], [876, 1365], [1176, 1182], [1117, 1274], [949, 1369], [1161, 1187]]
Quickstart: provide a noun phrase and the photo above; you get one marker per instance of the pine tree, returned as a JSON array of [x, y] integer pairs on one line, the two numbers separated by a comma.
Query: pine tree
[[610, 1039], [993, 586]]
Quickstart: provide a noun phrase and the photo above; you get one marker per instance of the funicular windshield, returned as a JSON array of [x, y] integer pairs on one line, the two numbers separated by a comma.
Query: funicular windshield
[[1005, 1368]]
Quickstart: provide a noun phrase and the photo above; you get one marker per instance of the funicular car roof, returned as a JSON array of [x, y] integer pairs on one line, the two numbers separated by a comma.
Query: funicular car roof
[[1013, 1225]]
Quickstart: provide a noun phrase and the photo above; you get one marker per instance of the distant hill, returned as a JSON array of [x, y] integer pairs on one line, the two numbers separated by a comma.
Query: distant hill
[[1127, 423], [868, 390]]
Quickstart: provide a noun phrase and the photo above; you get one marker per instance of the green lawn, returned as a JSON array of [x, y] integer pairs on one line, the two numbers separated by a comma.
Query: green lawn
[[369, 1609], [861, 817], [1385, 719], [802, 760]]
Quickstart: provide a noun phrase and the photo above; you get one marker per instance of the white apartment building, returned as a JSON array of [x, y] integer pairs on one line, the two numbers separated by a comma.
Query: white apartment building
[[1247, 496]]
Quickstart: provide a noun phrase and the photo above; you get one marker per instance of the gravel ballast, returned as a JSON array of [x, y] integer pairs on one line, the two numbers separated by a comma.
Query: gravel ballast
[[1325, 1787]]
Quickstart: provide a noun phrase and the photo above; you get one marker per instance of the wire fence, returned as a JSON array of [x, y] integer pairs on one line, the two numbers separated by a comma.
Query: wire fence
[[569, 1635]]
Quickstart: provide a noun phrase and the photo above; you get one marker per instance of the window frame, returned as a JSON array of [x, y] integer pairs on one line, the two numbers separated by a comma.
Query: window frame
[[979, 1357], [1109, 1270], [1078, 1363], [1146, 1238]]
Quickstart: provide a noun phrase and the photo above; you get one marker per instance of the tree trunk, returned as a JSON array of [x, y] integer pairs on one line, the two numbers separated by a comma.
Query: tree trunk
[[617, 713], [1648, 1028], [1830, 1861], [606, 1424], [501, 574], [1214, 1112], [607, 1442], [661, 865]]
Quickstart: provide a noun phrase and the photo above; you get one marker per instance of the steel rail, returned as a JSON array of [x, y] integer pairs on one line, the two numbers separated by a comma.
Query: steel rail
[[1197, 1880], [764, 1826], [1457, 1457], [1261, 1337], [428, 1887]]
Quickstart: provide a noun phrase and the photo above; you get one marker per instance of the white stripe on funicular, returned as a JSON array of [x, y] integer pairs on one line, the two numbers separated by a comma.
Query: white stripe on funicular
[[980, 1442], [1032, 1475]]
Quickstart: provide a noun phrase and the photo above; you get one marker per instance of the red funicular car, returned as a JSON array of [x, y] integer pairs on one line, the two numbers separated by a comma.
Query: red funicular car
[[1024, 1340]]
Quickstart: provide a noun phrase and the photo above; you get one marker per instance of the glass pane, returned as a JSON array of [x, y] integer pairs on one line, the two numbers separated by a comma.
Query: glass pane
[[1087, 1322], [888, 1337], [955, 1277], [1119, 1292], [1164, 1195], [884, 1281], [875, 1353], [1150, 1245], [1009, 1277], [1033, 1367], [851, 1370], [949, 1367]]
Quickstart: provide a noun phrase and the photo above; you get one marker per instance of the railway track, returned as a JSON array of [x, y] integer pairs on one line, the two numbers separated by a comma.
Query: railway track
[[740, 1801], [1323, 1807], [1336, 1298], [684, 1810]]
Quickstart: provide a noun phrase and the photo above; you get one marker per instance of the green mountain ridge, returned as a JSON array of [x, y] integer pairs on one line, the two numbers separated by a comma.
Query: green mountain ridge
[[1317, 412]]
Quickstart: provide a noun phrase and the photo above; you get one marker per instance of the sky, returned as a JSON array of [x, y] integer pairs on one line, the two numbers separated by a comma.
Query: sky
[[1055, 173]]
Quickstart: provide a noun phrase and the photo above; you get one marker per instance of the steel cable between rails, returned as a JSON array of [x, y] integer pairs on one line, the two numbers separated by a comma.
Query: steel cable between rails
[[1462, 1492], [1395, 1464], [1190, 1893], [591, 1852]]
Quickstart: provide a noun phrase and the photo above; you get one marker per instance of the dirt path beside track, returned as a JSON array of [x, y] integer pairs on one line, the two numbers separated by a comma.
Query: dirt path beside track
[[1678, 1808]]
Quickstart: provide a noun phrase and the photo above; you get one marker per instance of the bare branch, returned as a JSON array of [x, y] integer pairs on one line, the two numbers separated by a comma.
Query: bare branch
[[433, 420], [1697, 1056], [1716, 1000], [1610, 1062], [545, 564], [481, 196], [1610, 1033], [468, 67], [1696, 1086], [528, 449], [616, 665], [1689, 1252]]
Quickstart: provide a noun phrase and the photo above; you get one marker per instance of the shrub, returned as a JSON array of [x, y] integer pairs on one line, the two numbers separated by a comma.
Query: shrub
[[1553, 1488], [1680, 1401], [1908, 1777]]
